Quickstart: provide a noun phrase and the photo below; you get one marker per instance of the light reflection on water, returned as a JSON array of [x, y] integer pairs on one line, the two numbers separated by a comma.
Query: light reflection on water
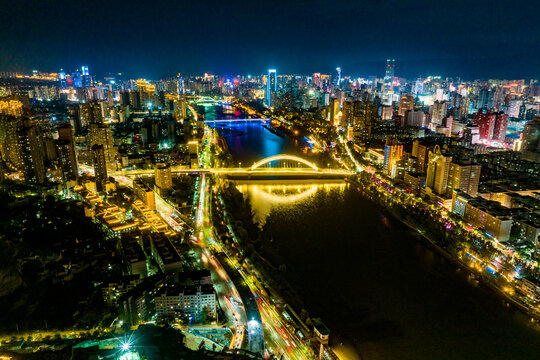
[[266, 196]]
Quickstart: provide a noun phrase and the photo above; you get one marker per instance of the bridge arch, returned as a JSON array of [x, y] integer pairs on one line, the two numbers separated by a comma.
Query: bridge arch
[[283, 157]]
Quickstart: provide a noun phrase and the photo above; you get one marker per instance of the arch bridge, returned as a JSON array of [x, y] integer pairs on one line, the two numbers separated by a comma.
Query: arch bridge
[[206, 100], [278, 165]]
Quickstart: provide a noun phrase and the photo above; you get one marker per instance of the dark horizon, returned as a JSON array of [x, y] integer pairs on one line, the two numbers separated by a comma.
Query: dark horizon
[[480, 40]]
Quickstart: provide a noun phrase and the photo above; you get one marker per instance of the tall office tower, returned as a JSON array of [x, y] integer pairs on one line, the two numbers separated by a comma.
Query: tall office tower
[[464, 177], [77, 79], [100, 166], [388, 91], [31, 150], [486, 124], [85, 77], [9, 143], [438, 112], [406, 103], [317, 80], [338, 77], [392, 153], [271, 87], [389, 73], [437, 170], [62, 79], [334, 111], [163, 177], [347, 114], [66, 151], [179, 84], [501, 125]]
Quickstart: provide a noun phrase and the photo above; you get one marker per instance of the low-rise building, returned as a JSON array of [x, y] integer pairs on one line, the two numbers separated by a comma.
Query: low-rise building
[[188, 301]]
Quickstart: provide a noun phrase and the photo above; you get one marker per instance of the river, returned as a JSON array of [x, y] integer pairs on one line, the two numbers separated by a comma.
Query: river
[[383, 293]]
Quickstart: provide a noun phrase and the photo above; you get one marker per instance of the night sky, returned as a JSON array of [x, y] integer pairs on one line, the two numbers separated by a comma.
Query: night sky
[[154, 39]]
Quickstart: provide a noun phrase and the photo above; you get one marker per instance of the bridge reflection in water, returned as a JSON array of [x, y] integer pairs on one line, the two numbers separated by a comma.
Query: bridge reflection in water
[[268, 194]]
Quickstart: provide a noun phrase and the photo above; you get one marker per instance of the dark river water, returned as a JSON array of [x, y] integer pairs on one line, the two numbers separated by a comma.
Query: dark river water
[[382, 292]]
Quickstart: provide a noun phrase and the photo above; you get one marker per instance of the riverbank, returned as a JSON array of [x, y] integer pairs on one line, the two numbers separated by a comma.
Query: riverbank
[[432, 243]]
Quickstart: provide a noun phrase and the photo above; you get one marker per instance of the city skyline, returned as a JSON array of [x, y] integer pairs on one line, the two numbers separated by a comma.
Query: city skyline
[[158, 40], [292, 180]]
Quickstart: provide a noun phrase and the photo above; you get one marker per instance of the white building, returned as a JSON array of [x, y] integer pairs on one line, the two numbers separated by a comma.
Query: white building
[[186, 300]]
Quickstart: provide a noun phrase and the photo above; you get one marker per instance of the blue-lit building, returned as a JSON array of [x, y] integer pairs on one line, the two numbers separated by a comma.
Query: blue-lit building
[[271, 86], [77, 79], [180, 84], [62, 79], [85, 78]]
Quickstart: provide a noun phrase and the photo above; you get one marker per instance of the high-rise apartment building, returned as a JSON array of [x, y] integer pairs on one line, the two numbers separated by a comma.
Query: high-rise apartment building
[[101, 134], [31, 152], [347, 114], [66, 152], [464, 177], [492, 125], [100, 166], [501, 125], [163, 177], [438, 112], [9, 145], [334, 111], [406, 103]]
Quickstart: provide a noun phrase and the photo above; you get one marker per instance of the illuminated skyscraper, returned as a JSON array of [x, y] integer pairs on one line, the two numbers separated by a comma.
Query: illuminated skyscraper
[[179, 84], [389, 73], [77, 79], [392, 153], [62, 79], [437, 170], [271, 86], [338, 78], [334, 111], [85, 78], [388, 90]]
